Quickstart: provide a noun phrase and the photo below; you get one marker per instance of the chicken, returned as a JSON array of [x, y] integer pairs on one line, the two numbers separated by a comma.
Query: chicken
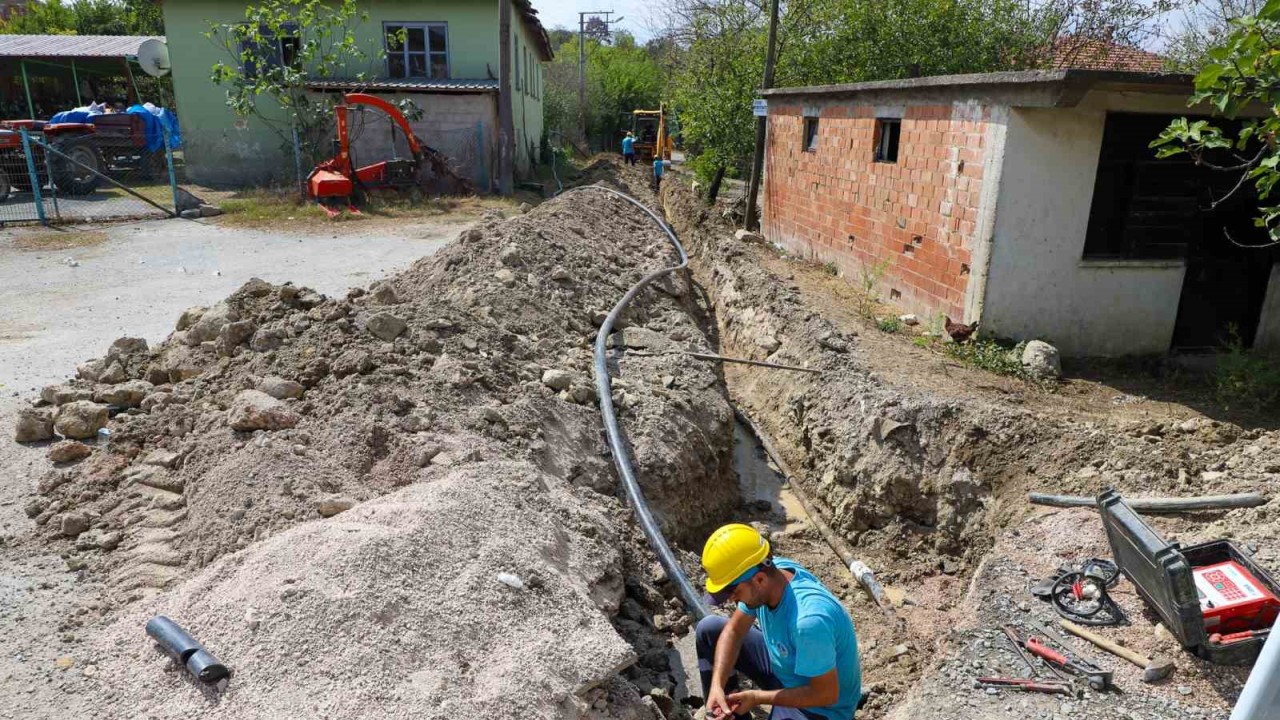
[[958, 332]]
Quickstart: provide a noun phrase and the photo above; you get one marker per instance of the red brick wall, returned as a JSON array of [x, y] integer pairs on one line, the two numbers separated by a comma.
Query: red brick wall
[[918, 215]]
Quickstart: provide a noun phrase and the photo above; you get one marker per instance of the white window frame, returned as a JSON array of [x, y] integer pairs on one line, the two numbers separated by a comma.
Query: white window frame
[[405, 53]]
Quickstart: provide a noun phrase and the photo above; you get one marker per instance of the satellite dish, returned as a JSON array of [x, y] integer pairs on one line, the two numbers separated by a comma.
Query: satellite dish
[[153, 56]]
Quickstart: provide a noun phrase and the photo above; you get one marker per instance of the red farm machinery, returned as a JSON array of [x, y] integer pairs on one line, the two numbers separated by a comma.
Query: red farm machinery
[[339, 183]]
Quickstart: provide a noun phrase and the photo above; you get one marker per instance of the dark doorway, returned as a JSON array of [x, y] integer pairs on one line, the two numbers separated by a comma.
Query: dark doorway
[[1146, 208]]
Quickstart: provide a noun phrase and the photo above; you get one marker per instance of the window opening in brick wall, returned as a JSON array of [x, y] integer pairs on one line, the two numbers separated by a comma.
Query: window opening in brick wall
[[888, 132], [811, 134]]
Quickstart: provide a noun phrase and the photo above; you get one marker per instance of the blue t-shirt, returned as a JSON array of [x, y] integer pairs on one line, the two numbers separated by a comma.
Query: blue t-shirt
[[628, 145], [658, 167], [808, 634]]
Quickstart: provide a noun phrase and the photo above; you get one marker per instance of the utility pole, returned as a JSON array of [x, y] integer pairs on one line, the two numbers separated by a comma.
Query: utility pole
[[757, 162], [601, 17], [506, 114]]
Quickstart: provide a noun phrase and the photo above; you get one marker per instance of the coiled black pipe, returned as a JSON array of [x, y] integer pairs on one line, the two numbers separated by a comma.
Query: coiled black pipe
[[621, 457]]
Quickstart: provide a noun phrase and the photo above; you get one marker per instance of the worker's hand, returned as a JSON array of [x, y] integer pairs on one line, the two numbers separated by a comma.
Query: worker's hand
[[717, 706], [742, 702]]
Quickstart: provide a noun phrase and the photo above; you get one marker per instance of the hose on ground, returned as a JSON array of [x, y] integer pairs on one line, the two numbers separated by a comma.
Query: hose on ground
[[617, 445]]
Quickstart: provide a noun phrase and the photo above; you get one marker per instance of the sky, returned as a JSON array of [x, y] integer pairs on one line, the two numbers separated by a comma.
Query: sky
[[635, 14]]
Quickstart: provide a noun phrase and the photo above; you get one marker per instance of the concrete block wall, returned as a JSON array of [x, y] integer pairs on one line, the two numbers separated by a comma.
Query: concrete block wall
[[462, 126], [918, 216]]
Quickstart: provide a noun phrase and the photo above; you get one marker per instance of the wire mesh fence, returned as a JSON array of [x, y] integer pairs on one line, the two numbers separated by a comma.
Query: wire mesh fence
[[81, 173]]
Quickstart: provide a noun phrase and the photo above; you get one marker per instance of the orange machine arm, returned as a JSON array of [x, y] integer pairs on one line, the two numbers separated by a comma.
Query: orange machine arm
[[392, 112]]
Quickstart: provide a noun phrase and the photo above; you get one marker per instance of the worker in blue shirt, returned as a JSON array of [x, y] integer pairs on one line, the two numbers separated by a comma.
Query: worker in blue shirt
[[804, 654], [629, 148], [658, 168]]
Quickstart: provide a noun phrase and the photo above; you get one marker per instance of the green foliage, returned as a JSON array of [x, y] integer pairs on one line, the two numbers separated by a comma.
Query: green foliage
[[1245, 379], [839, 41], [1243, 71], [277, 48], [869, 277], [890, 324], [621, 76], [1002, 358], [86, 17]]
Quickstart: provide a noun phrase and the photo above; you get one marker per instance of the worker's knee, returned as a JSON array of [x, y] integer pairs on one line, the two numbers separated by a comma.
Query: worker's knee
[[707, 633]]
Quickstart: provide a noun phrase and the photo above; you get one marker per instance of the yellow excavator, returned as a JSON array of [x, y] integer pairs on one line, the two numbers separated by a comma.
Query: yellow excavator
[[650, 129]]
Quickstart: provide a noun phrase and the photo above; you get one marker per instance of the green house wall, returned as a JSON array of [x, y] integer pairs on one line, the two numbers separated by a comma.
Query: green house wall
[[223, 147]]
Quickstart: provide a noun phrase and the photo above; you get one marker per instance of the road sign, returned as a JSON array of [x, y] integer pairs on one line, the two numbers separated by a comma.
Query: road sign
[[759, 107]]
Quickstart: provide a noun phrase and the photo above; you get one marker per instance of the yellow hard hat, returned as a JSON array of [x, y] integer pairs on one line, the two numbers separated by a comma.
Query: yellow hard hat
[[731, 551]]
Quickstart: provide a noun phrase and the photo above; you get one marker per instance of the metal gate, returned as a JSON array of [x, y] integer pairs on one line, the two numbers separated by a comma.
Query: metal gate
[[73, 178]]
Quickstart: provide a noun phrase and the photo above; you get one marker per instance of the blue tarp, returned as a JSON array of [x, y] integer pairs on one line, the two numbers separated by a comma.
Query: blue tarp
[[72, 116], [154, 126]]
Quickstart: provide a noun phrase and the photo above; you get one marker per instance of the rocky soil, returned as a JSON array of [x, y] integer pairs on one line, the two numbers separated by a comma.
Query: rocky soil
[[926, 475], [389, 503]]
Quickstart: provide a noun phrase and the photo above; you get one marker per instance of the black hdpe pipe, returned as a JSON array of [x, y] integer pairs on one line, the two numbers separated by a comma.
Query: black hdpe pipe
[[621, 457], [185, 650]]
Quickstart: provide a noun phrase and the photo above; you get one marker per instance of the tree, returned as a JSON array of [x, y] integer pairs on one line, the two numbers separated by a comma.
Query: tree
[[621, 77], [1241, 73], [722, 46], [86, 17], [277, 49]]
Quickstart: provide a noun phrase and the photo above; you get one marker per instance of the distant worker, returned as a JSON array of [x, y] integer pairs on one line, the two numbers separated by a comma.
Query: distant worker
[[658, 169], [629, 148], [804, 655]]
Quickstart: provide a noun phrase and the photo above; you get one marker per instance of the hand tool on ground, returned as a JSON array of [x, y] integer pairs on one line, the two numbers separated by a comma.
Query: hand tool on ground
[[1017, 647], [1153, 669], [1097, 679], [1021, 644], [1057, 637], [1049, 687]]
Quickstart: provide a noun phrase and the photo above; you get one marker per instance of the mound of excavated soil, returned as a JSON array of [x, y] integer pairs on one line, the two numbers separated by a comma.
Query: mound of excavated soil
[[461, 390]]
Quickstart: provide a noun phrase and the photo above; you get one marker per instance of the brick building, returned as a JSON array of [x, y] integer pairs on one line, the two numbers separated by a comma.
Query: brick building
[[1029, 201]]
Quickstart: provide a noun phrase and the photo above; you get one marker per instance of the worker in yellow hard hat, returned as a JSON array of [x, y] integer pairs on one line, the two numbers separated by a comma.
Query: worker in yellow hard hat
[[804, 654]]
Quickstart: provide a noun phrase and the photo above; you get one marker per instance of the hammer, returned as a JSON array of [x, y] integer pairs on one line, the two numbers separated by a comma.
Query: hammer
[[1153, 670]]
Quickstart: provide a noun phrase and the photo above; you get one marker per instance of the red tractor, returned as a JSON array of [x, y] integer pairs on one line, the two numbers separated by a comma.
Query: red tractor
[[83, 152], [338, 182]]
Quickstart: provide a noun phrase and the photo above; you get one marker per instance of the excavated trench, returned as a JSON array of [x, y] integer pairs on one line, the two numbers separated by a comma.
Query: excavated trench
[[928, 487]]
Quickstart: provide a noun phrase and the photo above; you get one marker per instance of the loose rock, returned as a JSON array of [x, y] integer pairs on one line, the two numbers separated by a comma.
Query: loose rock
[[73, 523], [80, 419], [1042, 360], [281, 389], [386, 326], [256, 410], [330, 506], [69, 451], [557, 379], [33, 425]]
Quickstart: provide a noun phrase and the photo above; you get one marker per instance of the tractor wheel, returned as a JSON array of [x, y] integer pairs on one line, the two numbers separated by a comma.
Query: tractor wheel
[[6, 188], [79, 177]]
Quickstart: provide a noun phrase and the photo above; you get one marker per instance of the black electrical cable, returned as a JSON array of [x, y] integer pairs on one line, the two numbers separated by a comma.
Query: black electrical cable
[[617, 445]]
